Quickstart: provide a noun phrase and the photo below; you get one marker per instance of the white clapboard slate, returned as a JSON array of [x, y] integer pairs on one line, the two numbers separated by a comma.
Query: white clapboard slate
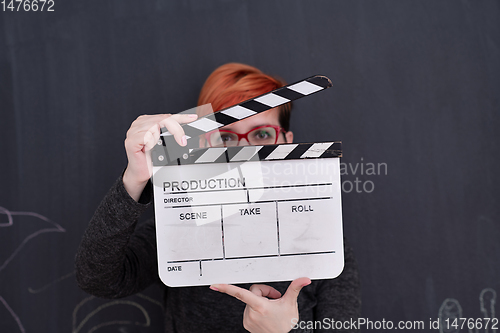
[[248, 214]]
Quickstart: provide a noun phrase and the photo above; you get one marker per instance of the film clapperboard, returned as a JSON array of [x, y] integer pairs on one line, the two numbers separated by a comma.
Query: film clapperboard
[[248, 214]]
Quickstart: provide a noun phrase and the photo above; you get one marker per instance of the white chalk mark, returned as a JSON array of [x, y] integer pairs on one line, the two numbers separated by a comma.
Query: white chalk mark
[[77, 307], [13, 314], [492, 302], [57, 228], [150, 299], [10, 222], [116, 322], [147, 318], [106, 305], [9, 217], [450, 309], [36, 291], [492, 295]]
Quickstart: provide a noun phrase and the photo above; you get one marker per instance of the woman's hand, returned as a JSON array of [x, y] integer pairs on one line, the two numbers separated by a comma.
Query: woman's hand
[[142, 136], [267, 310]]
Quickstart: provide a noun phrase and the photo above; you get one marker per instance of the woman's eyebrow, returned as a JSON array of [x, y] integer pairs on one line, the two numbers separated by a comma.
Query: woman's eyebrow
[[253, 127], [260, 125]]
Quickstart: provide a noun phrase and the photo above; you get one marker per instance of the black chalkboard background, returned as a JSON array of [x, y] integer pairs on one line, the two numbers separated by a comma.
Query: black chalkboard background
[[416, 93]]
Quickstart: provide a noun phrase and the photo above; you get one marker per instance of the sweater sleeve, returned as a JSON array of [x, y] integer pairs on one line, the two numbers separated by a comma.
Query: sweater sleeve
[[115, 259], [340, 298]]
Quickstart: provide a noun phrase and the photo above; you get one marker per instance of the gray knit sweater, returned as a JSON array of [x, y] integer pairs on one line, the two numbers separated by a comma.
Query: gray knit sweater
[[117, 258]]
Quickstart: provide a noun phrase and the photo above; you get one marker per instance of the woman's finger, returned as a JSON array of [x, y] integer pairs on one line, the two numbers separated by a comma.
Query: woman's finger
[[265, 291], [150, 128], [294, 289], [244, 295], [174, 128], [172, 124], [183, 118]]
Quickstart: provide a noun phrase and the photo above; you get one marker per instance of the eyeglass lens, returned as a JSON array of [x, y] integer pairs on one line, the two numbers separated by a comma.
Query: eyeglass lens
[[258, 136]]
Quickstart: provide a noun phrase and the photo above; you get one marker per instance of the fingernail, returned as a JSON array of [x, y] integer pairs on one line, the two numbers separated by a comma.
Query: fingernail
[[213, 288], [193, 115], [184, 140]]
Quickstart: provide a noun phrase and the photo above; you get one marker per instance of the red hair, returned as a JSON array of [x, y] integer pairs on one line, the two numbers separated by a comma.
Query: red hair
[[233, 83]]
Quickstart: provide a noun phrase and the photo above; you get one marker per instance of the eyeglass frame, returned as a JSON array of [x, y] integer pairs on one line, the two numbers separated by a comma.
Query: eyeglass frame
[[278, 130]]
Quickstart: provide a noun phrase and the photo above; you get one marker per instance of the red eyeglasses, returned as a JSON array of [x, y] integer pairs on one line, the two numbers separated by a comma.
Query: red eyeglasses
[[262, 135]]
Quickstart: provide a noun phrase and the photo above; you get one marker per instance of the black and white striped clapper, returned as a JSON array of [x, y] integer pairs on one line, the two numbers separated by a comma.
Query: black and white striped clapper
[[170, 151], [289, 151]]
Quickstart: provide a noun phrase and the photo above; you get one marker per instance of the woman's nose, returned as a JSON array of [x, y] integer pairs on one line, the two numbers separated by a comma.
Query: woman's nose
[[243, 142]]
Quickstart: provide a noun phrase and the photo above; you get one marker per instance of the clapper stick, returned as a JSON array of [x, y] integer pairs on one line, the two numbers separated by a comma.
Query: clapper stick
[[289, 151], [173, 153]]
